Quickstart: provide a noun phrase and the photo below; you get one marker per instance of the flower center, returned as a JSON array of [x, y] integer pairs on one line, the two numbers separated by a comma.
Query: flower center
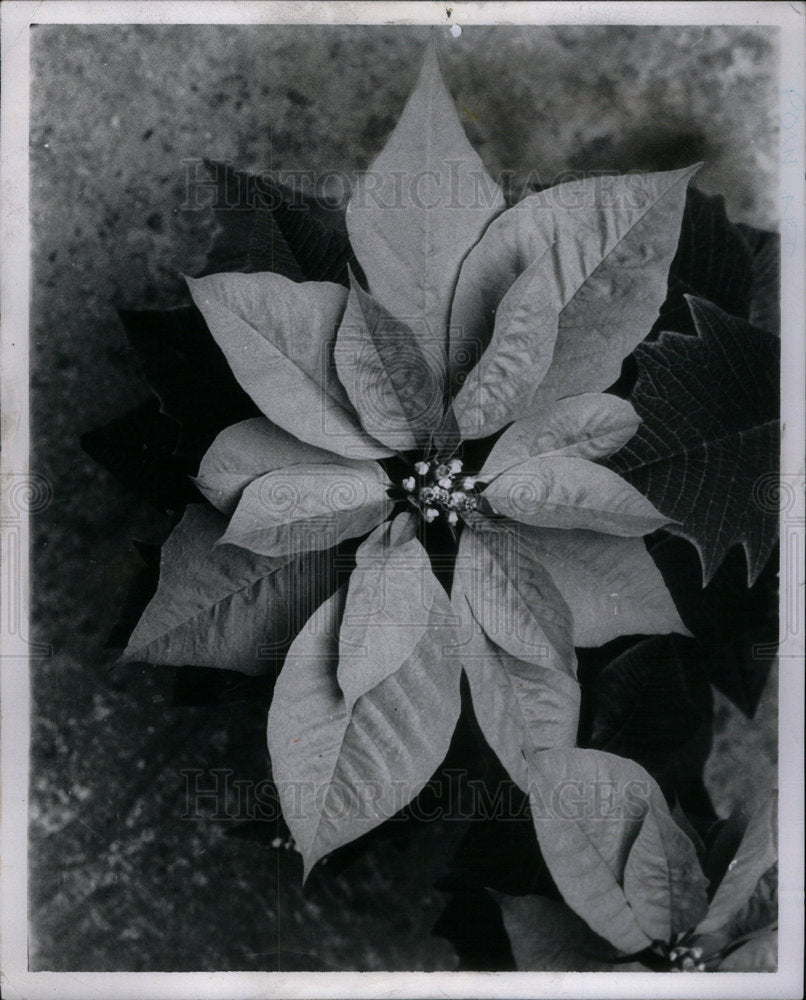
[[685, 959], [440, 489]]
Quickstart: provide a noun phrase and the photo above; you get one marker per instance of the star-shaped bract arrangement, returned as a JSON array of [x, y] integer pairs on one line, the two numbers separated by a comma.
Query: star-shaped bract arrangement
[[483, 330]]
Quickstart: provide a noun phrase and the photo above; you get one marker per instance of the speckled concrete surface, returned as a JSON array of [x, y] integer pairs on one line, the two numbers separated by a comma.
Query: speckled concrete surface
[[120, 880]]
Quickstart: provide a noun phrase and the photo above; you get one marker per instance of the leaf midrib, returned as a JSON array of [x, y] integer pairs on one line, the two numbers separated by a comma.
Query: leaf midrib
[[214, 604], [503, 570], [701, 445], [307, 378], [624, 236]]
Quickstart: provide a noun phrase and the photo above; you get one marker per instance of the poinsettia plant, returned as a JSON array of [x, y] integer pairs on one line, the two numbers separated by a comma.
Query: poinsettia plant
[[460, 440]]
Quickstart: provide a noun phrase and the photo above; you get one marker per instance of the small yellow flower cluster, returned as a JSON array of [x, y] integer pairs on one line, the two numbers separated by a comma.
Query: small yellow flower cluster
[[440, 488], [685, 959]]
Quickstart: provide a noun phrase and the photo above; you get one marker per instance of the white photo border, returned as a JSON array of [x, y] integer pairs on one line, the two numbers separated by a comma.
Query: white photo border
[[17, 981]]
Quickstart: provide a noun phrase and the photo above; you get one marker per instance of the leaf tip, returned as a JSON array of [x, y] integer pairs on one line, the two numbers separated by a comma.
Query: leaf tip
[[431, 54], [310, 859], [430, 77], [190, 281]]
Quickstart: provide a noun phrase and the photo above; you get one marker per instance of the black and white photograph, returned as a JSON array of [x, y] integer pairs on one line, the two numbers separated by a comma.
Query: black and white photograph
[[402, 499]]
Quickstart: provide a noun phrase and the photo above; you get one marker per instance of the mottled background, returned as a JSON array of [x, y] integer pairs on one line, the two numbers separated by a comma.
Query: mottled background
[[120, 881]]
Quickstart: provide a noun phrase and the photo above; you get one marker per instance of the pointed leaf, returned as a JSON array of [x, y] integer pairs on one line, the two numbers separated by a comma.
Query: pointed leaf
[[223, 607], [501, 386], [140, 450], [759, 954], [514, 599], [592, 426], [448, 437], [266, 227], [757, 852], [309, 507], [250, 449], [143, 583], [184, 365], [391, 379], [760, 910], [612, 239], [610, 584], [341, 774], [653, 704], [735, 625], [572, 493], [765, 295], [547, 936], [248, 238], [710, 436], [422, 205], [663, 880], [589, 809], [682, 820], [723, 847], [317, 236], [519, 706], [392, 597], [713, 262], [278, 337]]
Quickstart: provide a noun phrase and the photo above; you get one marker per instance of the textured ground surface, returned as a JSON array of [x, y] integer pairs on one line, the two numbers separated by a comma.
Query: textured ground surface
[[120, 880]]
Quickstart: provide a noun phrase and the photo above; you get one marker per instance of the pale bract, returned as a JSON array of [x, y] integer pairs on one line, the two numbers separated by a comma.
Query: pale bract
[[477, 319]]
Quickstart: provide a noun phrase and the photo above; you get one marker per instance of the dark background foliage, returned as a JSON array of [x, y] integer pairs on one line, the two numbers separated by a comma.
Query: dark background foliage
[[124, 874]]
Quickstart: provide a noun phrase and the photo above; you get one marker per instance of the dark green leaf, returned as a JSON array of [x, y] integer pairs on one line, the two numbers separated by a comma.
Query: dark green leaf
[[472, 922], [653, 705], [142, 588], [223, 607], [248, 238], [759, 954], [682, 820], [725, 837], [765, 302], [712, 262], [710, 435], [189, 374], [757, 852], [264, 227], [547, 936], [196, 687], [735, 625], [140, 450]]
